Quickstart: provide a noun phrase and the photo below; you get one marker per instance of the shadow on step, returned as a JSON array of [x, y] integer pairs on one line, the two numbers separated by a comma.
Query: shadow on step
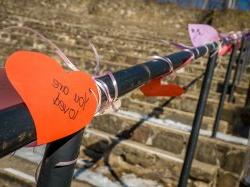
[[102, 149]]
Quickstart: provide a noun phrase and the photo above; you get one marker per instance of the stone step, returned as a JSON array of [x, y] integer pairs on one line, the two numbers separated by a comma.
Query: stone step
[[19, 172], [242, 87], [102, 17], [239, 99], [8, 179], [80, 50], [94, 29], [148, 162], [75, 50], [74, 17], [68, 39], [187, 102], [54, 36], [163, 111], [87, 172], [165, 136], [220, 71], [185, 79], [180, 79]]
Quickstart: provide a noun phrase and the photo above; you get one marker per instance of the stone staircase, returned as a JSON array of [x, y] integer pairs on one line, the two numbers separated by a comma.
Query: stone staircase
[[148, 137]]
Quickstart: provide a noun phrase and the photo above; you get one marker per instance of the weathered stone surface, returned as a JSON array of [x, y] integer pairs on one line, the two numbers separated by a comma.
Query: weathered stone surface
[[207, 153], [7, 180], [200, 184], [227, 179], [210, 151], [169, 141], [234, 161], [142, 134], [170, 113], [128, 156]]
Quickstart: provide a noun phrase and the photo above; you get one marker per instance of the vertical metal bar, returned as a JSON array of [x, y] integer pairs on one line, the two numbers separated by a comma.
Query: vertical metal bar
[[246, 55], [64, 151], [247, 103], [197, 120], [237, 71], [224, 91]]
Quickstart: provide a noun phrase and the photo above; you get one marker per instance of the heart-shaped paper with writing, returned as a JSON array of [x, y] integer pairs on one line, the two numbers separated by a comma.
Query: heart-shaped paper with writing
[[201, 34], [60, 102]]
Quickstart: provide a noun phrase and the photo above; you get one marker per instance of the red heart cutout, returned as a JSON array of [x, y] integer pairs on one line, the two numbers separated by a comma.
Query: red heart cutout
[[8, 95], [60, 102], [155, 88], [225, 49]]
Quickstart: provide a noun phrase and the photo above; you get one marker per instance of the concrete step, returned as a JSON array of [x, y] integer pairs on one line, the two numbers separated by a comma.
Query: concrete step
[[152, 163], [172, 137]]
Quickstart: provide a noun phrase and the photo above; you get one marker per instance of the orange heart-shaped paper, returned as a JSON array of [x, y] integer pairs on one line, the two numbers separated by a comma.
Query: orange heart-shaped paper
[[156, 88], [60, 102]]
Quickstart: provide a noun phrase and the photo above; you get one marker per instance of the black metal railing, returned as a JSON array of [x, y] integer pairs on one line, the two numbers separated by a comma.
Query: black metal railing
[[66, 149], [241, 64]]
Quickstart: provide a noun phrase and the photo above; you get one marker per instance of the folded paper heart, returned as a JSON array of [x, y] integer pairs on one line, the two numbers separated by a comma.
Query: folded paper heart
[[156, 88], [225, 49], [60, 102], [201, 34], [8, 95]]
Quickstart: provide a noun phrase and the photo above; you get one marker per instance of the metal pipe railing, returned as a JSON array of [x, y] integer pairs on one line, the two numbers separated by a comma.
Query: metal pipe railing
[[192, 142], [17, 127], [224, 91], [127, 80], [236, 77]]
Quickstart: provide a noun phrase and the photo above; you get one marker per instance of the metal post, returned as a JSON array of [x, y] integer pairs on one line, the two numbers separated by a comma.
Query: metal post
[[237, 71], [246, 55], [224, 91], [197, 120], [247, 103], [59, 161]]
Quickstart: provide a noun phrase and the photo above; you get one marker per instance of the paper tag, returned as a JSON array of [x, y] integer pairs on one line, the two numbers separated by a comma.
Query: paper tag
[[201, 34], [156, 88], [60, 102]]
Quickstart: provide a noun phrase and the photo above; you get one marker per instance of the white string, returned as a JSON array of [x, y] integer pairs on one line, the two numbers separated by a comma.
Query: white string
[[197, 51], [103, 86], [53, 45], [207, 50], [217, 48], [192, 57]]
